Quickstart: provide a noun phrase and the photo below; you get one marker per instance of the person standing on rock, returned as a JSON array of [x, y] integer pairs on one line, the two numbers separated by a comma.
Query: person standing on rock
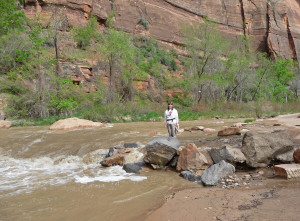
[[171, 119]]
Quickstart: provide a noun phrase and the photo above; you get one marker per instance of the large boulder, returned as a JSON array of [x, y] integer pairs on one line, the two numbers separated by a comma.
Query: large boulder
[[211, 175], [287, 171], [161, 150], [5, 124], [229, 131], [261, 147], [296, 155], [191, 158], [228, 153], [75, 123]]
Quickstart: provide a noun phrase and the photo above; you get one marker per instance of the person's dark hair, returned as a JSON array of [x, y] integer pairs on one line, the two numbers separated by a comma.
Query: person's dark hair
[[170, 103]]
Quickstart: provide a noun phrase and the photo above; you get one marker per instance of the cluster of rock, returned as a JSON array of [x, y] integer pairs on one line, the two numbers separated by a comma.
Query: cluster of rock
[[256, 149], [242, 180], [130, 156], [213, 165]]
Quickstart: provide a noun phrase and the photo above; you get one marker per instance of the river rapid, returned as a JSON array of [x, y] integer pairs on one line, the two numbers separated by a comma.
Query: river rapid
[[56, 175]]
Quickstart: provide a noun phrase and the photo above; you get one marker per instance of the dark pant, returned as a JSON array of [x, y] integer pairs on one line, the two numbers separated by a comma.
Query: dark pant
[[171, 130]]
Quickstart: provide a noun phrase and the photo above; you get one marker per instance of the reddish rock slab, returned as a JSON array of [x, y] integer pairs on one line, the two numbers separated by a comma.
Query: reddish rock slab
[[191, 158], [229, 131], [5, 124], [112, 161], [296, 155], [287, 171], [75, 123]]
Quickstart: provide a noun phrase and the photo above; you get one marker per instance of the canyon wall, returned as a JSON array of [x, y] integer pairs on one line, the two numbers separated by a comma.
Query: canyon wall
[[272, 26]]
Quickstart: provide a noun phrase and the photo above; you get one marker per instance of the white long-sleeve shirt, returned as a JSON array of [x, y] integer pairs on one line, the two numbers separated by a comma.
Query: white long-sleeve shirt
[[171, 116]]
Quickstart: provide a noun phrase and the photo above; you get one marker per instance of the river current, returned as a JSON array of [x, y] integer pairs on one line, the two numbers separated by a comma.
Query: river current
[[56, 175]]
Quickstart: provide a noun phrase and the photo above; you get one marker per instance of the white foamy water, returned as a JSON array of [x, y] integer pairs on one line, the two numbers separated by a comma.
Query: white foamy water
[[25, 175]]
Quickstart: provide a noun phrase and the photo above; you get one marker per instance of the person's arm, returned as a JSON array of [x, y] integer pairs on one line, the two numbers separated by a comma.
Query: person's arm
[[165, 119], [177, 119]]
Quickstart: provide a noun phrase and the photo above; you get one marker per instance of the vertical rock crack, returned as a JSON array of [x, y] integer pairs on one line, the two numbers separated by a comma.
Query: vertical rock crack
[[291, 41]]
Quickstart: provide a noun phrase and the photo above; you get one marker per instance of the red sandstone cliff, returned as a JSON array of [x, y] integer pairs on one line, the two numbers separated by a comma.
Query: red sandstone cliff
[[273, 25]]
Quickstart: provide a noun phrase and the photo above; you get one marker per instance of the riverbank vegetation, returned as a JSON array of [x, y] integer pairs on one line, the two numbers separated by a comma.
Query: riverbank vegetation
[[213, 77]]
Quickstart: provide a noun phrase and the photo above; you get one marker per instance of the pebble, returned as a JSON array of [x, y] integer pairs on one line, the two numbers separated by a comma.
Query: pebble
[[261, 172]]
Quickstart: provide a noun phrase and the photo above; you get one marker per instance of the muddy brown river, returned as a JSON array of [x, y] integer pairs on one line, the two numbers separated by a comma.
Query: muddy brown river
[[56, 175]]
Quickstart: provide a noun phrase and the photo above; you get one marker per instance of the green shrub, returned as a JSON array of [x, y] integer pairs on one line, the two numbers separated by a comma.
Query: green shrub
[[144, 23], [83, 35], [249, 120]]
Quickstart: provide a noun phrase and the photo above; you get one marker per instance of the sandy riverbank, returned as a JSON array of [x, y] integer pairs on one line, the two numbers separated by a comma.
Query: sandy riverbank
[[275, 200], [267, 198]]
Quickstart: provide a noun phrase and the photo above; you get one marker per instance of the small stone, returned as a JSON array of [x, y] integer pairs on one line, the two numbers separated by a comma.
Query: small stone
[[244, 130], [261, 172], [197, 128], [209, 130], [130, 145], [239, 125]]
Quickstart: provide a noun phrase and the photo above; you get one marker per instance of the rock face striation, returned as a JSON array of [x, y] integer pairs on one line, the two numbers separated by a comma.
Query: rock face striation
[[273, 25]]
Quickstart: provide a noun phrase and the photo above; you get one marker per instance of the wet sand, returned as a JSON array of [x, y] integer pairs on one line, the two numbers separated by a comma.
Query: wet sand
[[275, 200]]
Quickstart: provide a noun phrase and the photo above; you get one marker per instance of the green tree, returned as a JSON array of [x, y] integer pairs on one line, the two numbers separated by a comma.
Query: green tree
[[11, 17], [65, 100], [235, 78], [205, 47], [121, 58], [282, 75]]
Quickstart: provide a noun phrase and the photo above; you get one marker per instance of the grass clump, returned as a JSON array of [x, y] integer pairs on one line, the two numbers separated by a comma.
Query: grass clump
[[249, 120]]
